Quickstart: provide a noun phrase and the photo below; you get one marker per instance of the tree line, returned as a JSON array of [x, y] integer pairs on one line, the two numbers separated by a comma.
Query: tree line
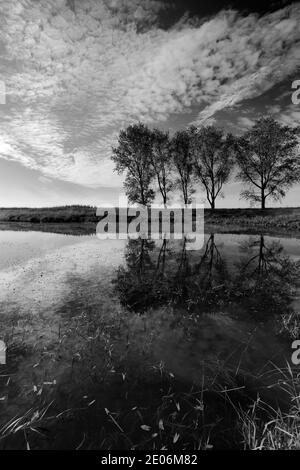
[[265, 159]]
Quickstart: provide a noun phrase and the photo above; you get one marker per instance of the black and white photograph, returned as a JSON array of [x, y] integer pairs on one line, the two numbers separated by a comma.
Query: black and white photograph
[[149, 228]]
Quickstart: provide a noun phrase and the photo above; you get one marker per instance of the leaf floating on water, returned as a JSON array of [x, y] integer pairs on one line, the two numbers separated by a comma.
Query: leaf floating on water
[[161, 425], [144, 427], [177, 406], [91, 402], [175, 438]]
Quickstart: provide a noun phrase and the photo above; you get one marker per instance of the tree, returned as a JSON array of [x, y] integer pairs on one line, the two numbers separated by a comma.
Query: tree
[[161, 162], [181, 149], [133, 155], [212, 160], [267, 160]]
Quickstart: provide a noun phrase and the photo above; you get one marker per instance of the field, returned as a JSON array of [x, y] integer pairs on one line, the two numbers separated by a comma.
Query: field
[[285, 219]]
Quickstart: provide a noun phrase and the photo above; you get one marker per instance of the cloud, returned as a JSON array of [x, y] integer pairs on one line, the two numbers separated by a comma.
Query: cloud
[[76, 72], [288, 115], [245, 123]]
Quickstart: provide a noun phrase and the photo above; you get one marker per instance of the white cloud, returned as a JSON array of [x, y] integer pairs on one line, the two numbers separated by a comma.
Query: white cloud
[[288, 115], [245, 123], [74, 76]]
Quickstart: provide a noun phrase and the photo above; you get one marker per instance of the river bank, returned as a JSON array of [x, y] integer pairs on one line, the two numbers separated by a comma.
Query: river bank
[[282, 220]]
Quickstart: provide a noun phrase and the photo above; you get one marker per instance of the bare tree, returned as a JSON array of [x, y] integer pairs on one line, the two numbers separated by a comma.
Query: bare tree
[[268, 161], [213, 162], [161, 162], [133, 155]]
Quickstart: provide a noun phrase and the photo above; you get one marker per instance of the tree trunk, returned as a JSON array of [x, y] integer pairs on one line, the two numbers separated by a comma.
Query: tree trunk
[[213, 205], [185, 196], [263, 199]]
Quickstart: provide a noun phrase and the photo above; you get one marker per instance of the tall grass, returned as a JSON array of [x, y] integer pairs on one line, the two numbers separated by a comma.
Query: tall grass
[[265, 427]]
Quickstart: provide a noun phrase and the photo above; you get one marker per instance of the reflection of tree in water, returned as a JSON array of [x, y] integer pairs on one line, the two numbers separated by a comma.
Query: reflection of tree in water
[[267, 278], [141, 283], [201, 284], [155, 277], [263, 281]]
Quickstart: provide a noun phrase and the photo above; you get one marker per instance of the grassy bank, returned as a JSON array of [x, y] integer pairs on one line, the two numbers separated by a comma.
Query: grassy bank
[[287, 219], [46, 215], [283, 218]]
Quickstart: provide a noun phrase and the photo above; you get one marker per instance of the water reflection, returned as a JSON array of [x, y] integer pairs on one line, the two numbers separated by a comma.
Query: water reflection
[[85, 321], [141, 283], [262, 280], [267, 277]]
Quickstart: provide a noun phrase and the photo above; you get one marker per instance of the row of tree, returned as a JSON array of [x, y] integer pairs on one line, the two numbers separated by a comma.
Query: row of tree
[[265, 158]]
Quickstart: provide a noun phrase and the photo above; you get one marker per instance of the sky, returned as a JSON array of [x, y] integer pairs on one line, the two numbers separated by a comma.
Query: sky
[[75, 72]]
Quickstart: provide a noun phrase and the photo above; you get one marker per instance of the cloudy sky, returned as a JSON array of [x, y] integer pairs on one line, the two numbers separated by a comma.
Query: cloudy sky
[[75, 72]]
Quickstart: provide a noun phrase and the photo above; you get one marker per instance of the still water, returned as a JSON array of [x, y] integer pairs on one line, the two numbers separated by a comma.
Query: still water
[[81, 316]]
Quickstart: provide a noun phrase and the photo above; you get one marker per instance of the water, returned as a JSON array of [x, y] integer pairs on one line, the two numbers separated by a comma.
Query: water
[[81, 316]]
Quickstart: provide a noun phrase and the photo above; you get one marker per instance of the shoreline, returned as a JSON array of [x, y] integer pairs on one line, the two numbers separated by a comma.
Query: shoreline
[[281, 221], [89, 228]]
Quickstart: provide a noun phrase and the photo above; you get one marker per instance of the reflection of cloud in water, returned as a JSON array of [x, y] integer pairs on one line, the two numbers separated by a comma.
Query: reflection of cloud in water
[[216, 342], [34, 298], [43, 283]]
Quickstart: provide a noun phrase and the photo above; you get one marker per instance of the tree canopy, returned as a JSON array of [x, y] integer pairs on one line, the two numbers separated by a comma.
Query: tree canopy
[[268, 160], [133, 155], [213, 162]]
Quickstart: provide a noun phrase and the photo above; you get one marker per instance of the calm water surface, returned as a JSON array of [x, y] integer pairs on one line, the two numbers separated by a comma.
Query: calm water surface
[[76, 311]]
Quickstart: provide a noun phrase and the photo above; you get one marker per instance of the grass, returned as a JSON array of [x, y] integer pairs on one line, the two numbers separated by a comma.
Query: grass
[[283, 218], [287, 219], [267, 428], [46, 215]]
